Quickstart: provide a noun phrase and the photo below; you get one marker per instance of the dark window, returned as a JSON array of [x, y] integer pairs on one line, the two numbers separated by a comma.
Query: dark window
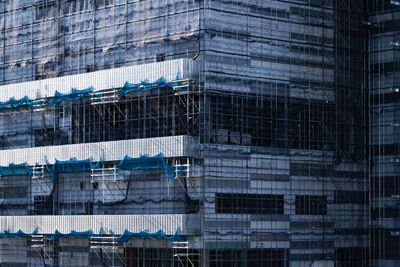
[[385, 245], [45, 10], [250, 257], [89, 208], [9, 209], [311, 205], [44, 137], [352, 257], [76, 208], [307, 244], [386, 212], [385, 186], [160, 57], [345, 197], [248, 203], [90, 68], [151, 257], [14, 192], [72, 6], [103, 3], [95, 185], [43, 205]]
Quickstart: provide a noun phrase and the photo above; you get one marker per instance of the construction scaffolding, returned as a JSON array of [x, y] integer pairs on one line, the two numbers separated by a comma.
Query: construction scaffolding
[[384, 59], [46, 39], [243, 144]]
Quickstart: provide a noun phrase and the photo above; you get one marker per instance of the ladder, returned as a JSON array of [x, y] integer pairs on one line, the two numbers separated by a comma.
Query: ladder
[[38, 243], [103, 242], [104, 97], [106, 248], [38, 172], [110, 182], [104, 174], [181, 252], [184, 174]]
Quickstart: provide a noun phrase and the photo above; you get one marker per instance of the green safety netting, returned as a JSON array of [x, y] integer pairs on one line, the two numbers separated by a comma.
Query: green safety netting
[[15, 170]]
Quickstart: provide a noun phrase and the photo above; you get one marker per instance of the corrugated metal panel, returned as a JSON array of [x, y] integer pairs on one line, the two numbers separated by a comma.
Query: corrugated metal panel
[[105, 79], [169, 223], [175, 146]]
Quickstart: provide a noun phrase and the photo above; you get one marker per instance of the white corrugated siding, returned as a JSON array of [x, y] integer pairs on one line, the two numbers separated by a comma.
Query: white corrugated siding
[[100, 80], [169, 223], [174, 146]]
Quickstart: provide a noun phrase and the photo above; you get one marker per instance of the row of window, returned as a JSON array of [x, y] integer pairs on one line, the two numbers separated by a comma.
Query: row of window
[[268, 204], [248, 257], [217, 257]]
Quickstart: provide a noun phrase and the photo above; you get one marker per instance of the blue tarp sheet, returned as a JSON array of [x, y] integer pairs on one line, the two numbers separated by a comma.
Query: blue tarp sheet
[[75, 95], [86, 234], [73, 165], [145, 162], [18, 234], [145, 86], [15, 170], [146, 235], [70, 166], [57, 234], [16, 103]]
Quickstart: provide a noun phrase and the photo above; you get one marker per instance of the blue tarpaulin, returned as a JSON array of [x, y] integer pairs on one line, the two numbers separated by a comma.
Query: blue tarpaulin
[[15, 170], [89, 233], [16, 103], [57, 99], [18, 234], [146, 235], [57, 234], [75, 95], [145, 162], [71, 166], [145, 85]]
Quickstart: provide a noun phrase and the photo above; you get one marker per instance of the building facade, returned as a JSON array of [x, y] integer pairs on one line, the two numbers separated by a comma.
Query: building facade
[[194, 133], [384, 131]]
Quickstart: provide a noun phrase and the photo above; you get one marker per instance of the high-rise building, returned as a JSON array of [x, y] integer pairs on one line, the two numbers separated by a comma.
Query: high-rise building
[[384, 95], [195, 133]]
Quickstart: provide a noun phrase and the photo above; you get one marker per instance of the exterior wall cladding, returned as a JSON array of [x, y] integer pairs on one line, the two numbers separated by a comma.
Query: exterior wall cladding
[[199, 133]]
